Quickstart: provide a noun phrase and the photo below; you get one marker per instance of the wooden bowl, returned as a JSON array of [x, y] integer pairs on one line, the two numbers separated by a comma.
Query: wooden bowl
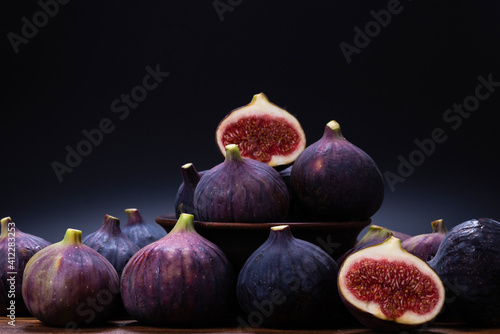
[[239, 240]]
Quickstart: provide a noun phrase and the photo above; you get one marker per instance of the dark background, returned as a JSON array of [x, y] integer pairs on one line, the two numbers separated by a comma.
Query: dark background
[[393, 92]]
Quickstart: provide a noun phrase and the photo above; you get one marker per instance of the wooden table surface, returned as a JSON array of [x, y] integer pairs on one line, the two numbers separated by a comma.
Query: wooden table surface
[[32, 325]]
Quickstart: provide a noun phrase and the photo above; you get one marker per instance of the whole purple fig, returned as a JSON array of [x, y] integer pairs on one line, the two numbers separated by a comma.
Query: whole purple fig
[[373, 236], [241, 190], [69, 284], [425, 246], [184, 197], [180, 280], [334, 180], [16, 248], [112, 243], [139, 231]]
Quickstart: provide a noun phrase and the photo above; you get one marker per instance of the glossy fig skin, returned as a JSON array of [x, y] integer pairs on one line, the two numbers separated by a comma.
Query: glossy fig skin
[[68, 284], [184, 197], [139, 231], [180, 280], [241, 190], [112, 243], [25, 246], [334, 180], [290, 282], [468, 262], [425, 246]]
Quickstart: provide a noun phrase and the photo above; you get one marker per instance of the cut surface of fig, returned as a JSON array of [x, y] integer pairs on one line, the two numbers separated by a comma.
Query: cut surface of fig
[[263, 132], [384, 284]]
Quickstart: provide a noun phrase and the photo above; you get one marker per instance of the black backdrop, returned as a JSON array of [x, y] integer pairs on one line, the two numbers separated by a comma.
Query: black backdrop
[[387, 71]]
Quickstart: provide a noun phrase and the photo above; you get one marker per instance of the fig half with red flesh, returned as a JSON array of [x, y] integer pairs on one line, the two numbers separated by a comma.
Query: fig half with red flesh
[[387, 288], [263, 132]]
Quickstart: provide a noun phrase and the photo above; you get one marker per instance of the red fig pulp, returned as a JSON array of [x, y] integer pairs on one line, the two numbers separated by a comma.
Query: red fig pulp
[[387, 288], [263, 132]]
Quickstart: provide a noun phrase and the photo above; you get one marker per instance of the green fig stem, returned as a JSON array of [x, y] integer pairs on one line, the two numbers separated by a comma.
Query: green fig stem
[[332, 130], [185, 223], [438, 226], [111, 225], [5, 227], [72, 236], [233, 153], [133, 217], [259, 98]]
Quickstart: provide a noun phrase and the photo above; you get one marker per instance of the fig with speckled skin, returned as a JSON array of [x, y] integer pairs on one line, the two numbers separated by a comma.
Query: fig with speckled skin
[[241, 190], [140, 231], [16, 248], [289, 282], [468, 262], [69, 284], [180, 280], [334, 180]]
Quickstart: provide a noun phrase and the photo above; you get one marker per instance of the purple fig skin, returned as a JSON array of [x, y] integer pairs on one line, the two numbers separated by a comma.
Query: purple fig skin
[[68, 284], [425, 246], [26, 245], [184, 197], [294, 279], [139, 231], [334, 180], [241, 190], [112, 243], [180, 280]]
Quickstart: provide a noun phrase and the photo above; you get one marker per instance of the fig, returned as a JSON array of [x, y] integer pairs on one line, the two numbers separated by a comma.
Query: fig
[[241, 190], [16, 248], [263, 132], [468, 262], [180, 280], [373, 236], [426, 245], [139, 231], [184, 197], [400, 235], [112, 243], [69, 284], [288, 282], [334, 180], [388, 289]]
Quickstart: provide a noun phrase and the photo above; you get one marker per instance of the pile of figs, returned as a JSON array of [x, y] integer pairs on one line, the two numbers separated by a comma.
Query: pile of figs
[[387, 281]]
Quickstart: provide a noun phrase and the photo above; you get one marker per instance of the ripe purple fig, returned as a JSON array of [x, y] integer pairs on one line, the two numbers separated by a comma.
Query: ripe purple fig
[[69, 284], [241, 190], [16, 248], [139, 231], [180, 280], [425, 246], [388, 289], [334, 180], [184, 197], [288, 282], [373, 236], [112, 243]]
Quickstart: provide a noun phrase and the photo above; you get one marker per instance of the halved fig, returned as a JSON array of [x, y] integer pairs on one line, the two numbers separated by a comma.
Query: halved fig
[[387, 288], [263, 132]]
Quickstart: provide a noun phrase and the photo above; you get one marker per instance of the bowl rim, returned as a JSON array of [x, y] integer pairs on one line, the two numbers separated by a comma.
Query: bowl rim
[[169, 220]]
